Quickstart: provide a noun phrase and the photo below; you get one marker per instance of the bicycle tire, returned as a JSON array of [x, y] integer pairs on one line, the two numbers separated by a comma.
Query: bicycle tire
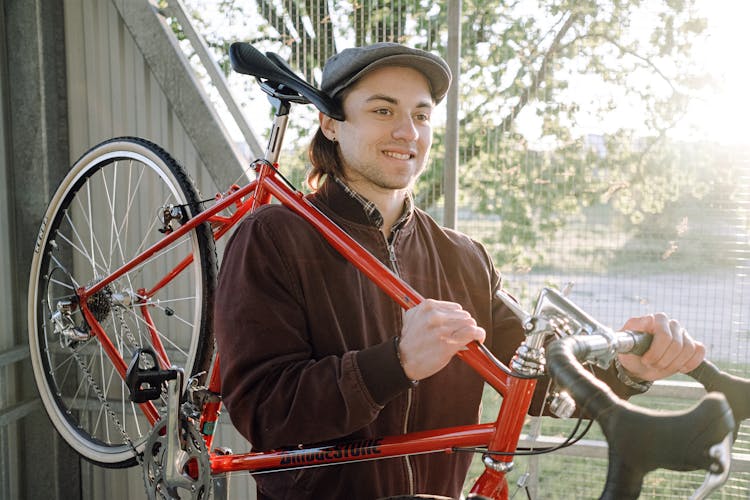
[[104, 213]]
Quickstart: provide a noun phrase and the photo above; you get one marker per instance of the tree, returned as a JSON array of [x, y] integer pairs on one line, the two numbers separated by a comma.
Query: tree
[[523, 156], [523, 60]]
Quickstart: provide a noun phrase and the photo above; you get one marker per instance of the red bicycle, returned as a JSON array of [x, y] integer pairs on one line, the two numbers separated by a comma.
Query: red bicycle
[[123, 354]]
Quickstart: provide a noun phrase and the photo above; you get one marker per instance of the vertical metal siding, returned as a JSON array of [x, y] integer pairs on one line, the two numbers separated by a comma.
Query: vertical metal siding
[[10, 339], [112, 92], [9, 473]]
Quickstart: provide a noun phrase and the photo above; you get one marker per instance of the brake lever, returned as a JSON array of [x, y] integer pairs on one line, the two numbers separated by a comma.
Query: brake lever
[[514, 307], [717, 475]]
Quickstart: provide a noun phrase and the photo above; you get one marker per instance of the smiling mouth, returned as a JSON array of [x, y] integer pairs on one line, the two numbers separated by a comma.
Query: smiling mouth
[[398, 156]]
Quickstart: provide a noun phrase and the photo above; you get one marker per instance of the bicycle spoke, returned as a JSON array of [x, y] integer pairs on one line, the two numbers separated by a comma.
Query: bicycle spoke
[[81, 250], [167, 250], [59, 264], [68, 359], [62, 284], [166, 338], [140, 321], [124, 224], [103, 216], [110, 203], [89, 211], [138, 430]]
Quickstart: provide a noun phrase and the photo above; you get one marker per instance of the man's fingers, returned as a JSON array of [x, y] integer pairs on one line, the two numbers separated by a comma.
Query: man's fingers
[[671, 344], [660, 353], [466, 334], [696, 359], [640, 324]]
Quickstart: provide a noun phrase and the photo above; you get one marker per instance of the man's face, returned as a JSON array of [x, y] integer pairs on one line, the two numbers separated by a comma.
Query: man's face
[[386, 137]]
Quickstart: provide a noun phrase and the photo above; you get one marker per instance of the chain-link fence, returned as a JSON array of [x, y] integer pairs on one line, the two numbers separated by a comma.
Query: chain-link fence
[[639, 219]]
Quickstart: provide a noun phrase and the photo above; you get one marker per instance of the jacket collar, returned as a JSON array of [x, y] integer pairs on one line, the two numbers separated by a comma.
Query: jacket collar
[[335, 194]]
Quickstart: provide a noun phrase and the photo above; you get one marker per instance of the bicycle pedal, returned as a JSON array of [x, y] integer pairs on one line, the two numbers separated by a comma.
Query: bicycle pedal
[[144, 378]]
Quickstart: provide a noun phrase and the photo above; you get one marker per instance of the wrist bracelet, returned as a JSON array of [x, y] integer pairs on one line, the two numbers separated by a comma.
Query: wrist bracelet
[[396, 341], [625, 378]]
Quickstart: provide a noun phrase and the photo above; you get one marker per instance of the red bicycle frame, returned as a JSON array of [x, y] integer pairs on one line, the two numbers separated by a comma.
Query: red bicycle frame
[[500, 436]]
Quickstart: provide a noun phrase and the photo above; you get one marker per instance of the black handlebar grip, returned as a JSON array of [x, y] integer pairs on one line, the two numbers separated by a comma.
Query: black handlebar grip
[[639, 440], [643, 440], [736, 389], [642, 342]]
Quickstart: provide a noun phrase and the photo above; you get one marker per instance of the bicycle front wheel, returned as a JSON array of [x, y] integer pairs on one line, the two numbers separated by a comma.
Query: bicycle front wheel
[[119, 199]]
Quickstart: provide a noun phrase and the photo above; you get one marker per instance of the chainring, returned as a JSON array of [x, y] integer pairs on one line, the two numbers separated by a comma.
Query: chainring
[[196, 474]]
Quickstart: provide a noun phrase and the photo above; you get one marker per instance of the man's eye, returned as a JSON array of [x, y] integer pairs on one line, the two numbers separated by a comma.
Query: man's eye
[[422, 117], [383, 111]]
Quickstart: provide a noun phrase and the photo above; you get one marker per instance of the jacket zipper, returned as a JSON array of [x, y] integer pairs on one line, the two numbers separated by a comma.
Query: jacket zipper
[[409, 394]]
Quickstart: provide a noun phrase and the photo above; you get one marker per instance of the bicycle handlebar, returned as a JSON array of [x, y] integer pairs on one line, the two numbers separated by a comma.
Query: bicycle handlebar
[[641, 440], [736, 389]]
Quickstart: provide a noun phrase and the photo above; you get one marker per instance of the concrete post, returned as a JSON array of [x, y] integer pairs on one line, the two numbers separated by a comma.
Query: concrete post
[[35, 158], [450, 174]]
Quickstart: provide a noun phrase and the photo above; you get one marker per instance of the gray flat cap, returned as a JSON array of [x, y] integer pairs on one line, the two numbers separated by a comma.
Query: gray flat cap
[[349, 65]]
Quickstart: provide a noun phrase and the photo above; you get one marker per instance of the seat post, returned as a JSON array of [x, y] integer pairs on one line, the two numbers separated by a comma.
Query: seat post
[[280, 121]]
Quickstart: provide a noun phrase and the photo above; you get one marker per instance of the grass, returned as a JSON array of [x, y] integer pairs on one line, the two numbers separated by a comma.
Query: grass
[[557, 476], [689, 238]]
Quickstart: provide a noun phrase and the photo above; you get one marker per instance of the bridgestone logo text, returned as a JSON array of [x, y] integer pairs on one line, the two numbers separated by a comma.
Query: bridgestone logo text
[[356, 449]]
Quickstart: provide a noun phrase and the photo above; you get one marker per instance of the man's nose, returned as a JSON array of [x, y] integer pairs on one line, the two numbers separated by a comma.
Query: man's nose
[[406, 129]]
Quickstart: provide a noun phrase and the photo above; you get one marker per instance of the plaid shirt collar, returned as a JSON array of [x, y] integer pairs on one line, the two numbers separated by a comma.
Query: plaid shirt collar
[[372, 212]]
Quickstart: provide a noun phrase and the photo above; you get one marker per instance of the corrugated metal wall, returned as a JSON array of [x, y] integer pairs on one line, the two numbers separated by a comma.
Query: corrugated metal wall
[[112, 91], [30, 146], [113, 88], [8, 395]]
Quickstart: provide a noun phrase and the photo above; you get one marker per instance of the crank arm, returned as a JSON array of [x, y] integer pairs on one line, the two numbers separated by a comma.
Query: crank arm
[[176, 457]]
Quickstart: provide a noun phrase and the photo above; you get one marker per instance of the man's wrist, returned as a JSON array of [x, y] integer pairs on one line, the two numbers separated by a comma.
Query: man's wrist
[[396, 342], [630, 380]]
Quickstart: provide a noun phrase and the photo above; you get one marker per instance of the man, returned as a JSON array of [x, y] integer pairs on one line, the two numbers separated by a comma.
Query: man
[[311, 351]]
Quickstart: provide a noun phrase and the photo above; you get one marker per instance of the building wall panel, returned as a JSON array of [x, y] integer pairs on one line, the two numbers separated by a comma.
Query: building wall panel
[[113, 92]]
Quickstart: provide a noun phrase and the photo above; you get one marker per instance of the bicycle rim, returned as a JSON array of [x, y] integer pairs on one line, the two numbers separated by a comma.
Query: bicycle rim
[[107, 210]]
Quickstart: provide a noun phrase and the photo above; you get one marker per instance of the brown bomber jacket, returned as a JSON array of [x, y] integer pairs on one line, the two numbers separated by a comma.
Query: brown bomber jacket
[[307, 355]]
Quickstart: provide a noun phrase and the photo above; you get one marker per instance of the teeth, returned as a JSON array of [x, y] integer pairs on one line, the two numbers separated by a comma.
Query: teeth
[[398, 156]]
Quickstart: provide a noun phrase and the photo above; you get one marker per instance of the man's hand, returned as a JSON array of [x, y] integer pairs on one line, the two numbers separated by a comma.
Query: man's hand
[[672, 350], [433, 332]]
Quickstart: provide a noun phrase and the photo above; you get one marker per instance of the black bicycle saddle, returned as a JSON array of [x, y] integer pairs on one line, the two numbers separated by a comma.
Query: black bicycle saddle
[[271, 67]]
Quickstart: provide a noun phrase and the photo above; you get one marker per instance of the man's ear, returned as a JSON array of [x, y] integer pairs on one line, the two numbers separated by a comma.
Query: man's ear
[[328, 125]]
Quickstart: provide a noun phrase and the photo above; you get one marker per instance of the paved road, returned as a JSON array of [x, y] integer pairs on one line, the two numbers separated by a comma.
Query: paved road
[[715, 308]]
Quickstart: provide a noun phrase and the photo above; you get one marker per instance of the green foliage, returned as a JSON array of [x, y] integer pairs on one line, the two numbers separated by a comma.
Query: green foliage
[[527, 58], [534, 74]]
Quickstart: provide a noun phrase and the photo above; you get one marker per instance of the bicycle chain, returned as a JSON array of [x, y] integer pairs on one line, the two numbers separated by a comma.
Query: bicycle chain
[[124, 326], [100, 394], [108, 407], [129, 339]]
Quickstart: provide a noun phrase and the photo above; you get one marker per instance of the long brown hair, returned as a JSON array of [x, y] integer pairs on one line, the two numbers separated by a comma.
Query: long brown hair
[[325, 159]]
